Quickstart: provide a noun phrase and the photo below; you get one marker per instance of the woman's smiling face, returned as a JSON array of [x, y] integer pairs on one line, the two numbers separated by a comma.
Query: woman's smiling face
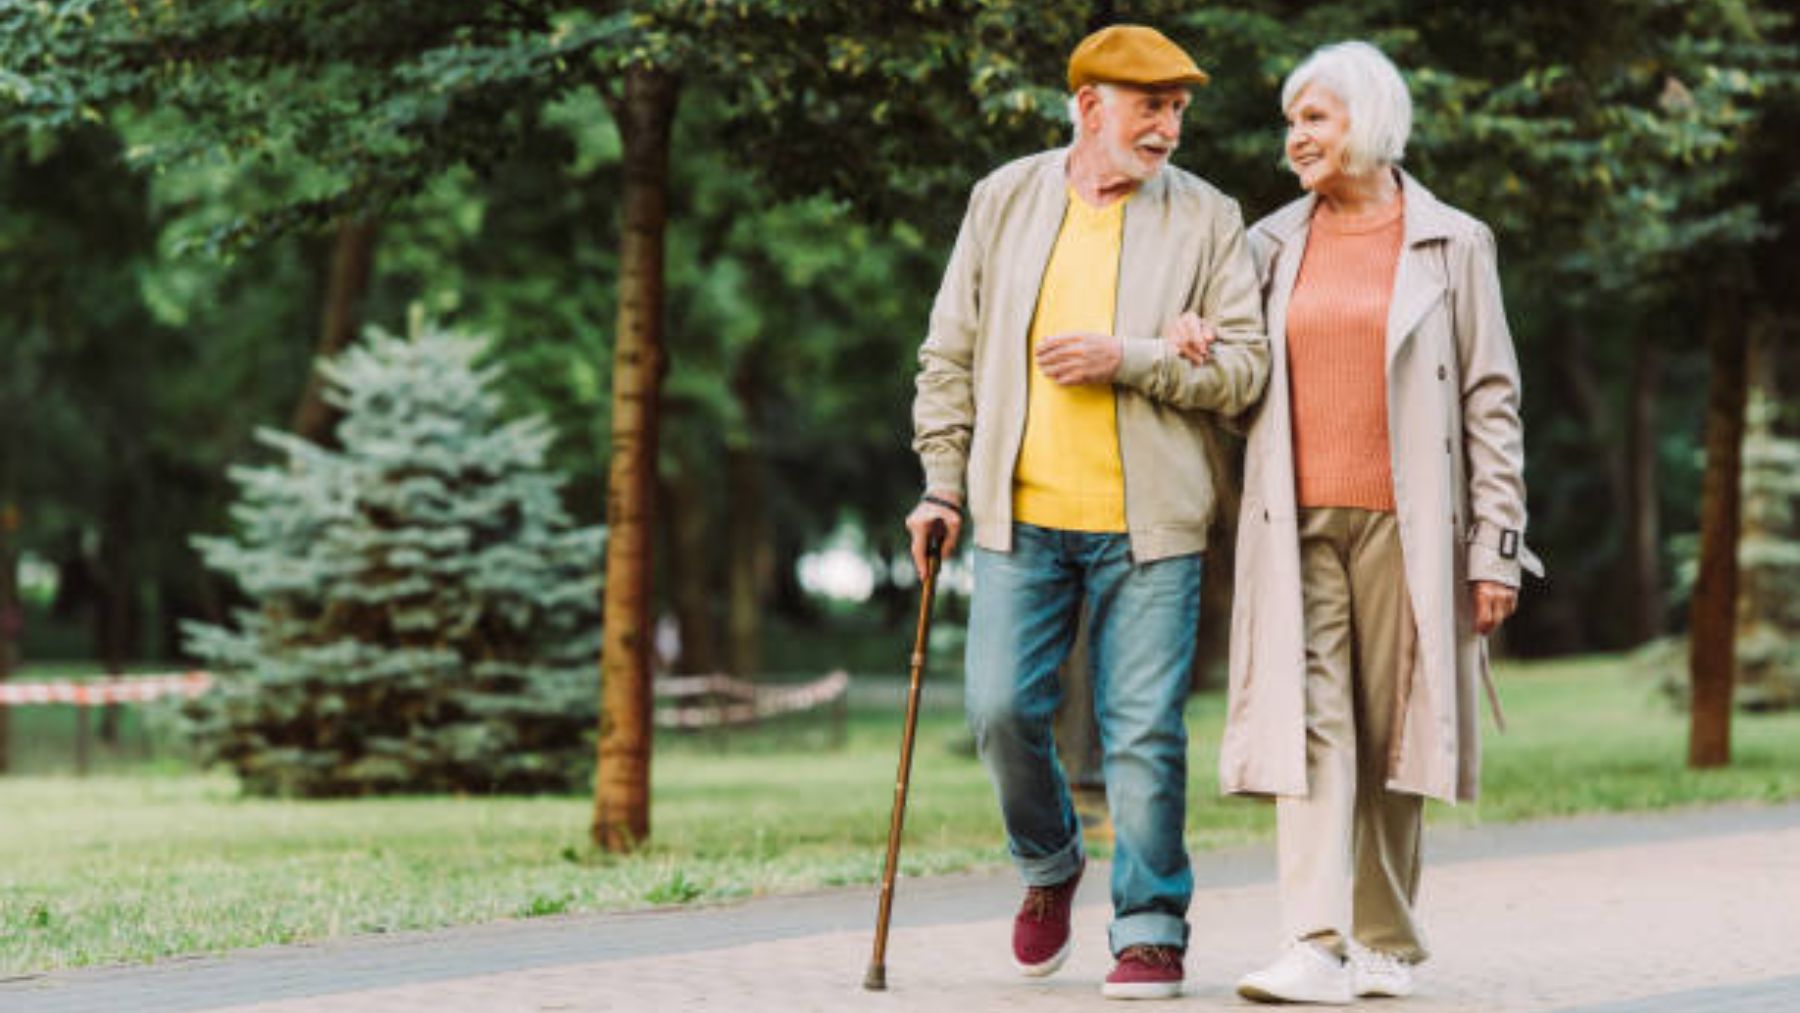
[[1318, 126]]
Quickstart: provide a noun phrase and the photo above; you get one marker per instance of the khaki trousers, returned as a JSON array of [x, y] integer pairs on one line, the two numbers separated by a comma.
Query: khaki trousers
[[1348, 851]]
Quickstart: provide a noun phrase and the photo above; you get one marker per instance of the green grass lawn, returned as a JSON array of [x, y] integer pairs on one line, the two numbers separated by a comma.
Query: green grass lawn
[[135, 867]]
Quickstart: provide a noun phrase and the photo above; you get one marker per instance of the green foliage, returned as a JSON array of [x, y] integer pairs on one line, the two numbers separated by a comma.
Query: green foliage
[[1634, 156], [425, 618], [891, 107], [368, 104], [47, 80], [371, 104]]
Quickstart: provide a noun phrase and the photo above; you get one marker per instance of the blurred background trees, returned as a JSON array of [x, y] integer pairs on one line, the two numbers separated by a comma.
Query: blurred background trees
[[201, 197]]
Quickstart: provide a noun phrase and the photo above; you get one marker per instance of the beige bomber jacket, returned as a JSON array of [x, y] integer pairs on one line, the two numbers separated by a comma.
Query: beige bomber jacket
[[1184, 249]]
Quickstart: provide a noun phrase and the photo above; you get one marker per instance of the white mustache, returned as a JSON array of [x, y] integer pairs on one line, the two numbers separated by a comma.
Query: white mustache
[[1157, 139]]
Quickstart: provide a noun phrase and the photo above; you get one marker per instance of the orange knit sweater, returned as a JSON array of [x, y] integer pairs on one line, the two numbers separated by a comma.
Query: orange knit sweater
[[1337, 360]]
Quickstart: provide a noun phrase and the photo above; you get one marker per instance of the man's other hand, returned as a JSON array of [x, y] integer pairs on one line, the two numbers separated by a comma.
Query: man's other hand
[[1079, 358]]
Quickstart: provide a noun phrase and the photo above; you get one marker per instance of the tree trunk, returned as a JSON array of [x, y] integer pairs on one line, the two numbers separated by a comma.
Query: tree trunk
[[691, 572], [115, 616], [11, 616], [352, 264], [751, 544], [1590, 403], [1643, 516], [1712, 652], [787, 598], [749, 552], [622, 781]]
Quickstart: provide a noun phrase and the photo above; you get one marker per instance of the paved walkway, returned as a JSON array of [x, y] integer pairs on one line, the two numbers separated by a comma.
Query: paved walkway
[[1695, 910]]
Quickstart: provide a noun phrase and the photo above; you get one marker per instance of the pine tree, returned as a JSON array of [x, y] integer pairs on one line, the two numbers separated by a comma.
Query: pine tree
[[425, 616], [1768, 634]]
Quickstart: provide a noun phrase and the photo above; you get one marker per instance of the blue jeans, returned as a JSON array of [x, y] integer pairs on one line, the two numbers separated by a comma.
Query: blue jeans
[[1141, 625]]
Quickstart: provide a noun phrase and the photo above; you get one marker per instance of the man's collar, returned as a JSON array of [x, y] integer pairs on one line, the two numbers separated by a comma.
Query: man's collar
[[1152, 187]]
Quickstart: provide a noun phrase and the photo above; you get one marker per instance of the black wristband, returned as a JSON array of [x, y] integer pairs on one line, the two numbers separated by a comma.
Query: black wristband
[[941, 501]]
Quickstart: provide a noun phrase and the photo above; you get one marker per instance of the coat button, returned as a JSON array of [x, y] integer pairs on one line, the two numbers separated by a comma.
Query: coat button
[[1447, 445], [1265, 516], [1441, 373]]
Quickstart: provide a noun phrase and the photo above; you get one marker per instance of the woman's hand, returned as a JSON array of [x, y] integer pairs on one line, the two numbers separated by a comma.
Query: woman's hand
[[1192, 336], [1493, 603]]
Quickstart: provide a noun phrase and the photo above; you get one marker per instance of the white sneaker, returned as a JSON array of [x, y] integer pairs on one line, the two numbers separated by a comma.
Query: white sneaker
[[1375, 973], [1305, 972]]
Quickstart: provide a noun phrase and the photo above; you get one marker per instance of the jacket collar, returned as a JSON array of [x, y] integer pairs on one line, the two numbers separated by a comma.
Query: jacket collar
[[1426, 218], [1053, 177]]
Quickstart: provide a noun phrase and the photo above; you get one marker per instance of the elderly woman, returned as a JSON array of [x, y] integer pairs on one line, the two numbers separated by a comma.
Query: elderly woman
[[1382, 519]]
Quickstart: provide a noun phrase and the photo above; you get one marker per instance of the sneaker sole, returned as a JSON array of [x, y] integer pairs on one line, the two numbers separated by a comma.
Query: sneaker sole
[[1048, 967], [1257, 993], [1141, 990]]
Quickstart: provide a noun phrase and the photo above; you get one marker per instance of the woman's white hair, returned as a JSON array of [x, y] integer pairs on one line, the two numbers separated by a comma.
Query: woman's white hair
[[1366, 81]]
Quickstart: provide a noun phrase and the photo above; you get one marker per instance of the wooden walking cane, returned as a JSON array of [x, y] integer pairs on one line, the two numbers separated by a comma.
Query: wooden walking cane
[[876, 978]]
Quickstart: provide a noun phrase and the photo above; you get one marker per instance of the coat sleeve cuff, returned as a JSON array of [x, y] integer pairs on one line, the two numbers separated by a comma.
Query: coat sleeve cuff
[[1500, 555], [1138, 361], [945, 475], [1486, 564]]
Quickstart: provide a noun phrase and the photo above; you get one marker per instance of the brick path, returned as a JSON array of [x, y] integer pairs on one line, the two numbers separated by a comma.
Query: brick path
[[1695, 910]]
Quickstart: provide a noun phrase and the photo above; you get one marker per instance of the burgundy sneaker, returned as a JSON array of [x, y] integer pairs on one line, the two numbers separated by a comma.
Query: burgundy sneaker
[[1145, 972], [1041, 928]]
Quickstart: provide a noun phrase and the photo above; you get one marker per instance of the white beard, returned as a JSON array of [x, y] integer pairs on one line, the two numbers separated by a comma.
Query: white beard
[[1125, 159]]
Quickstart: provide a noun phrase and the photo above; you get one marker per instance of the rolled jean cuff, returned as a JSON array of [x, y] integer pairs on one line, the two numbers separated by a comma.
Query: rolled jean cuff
[[1148, 928], [1054, 868]]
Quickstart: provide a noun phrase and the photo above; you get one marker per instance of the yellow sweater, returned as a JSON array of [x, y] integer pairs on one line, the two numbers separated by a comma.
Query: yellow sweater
[[1069, 475]]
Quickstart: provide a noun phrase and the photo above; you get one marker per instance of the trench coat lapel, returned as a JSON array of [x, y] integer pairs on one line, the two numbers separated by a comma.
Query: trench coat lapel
[[1419, 280], [1289, 228]]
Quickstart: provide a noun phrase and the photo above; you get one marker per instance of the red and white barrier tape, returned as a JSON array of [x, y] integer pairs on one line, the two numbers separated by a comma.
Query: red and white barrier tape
[[99, 692], [750, 701]]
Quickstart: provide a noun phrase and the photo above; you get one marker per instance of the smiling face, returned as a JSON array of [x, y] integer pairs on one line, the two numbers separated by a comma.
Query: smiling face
[[1138, 128], [1318, 126]]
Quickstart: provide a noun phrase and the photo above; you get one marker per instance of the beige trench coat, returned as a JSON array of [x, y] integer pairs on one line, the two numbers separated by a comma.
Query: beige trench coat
[[1457, 453]]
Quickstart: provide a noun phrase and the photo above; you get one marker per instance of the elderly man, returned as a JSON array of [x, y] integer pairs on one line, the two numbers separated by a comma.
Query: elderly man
[[1076, 438]]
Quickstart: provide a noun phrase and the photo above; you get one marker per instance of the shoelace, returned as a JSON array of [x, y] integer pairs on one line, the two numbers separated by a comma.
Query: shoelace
[[1377, 962], [1040, 900], [1156, 956]]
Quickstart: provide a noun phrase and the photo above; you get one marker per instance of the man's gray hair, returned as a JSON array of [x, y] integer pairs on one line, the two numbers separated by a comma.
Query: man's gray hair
[[1366, 81], [1107, 93]]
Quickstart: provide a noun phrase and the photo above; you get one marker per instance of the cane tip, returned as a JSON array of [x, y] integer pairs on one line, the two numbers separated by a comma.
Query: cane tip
[[876, 979]]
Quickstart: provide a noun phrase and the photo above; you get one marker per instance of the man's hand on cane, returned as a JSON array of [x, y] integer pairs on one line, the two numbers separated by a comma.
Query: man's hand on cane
[[937, 505]]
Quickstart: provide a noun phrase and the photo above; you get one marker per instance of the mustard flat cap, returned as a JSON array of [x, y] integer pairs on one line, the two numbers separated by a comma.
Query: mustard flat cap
[[1131, 54]]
